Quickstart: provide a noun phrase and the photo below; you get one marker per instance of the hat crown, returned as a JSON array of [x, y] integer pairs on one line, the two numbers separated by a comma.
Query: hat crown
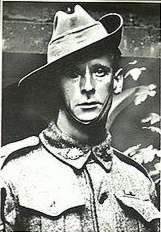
[[73, 32], [64, 23]]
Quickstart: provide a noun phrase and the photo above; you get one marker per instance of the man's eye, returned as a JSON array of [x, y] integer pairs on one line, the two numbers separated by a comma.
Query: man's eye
[[101, 72], [73, 74]]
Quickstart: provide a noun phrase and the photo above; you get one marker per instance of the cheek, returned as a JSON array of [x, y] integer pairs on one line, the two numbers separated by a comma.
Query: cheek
[[68, 91], [105, 88]]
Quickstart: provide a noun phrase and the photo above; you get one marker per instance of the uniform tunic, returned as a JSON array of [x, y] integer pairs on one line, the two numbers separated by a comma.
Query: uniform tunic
[[60, 185]]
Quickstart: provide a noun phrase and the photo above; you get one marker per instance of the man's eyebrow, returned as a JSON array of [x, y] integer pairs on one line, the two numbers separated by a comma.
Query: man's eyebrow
[[101, 66]]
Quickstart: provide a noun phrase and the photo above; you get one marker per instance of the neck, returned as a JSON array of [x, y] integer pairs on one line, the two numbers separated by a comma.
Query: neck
[[84, 133]]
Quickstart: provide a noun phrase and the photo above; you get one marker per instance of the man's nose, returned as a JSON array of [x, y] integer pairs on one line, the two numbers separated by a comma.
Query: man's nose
[[87, 82]]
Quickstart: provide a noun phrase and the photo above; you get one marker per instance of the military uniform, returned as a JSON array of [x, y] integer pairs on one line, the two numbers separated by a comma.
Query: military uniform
[[57, 184]]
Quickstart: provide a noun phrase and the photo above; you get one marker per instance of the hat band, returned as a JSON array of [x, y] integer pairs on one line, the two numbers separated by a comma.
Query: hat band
[[74, 41]]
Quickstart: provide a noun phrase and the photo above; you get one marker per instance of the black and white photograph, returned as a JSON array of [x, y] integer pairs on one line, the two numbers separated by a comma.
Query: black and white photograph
[[80, 116]]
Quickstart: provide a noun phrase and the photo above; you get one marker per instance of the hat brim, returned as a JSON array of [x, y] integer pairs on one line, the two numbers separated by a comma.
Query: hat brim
[[112, 22]]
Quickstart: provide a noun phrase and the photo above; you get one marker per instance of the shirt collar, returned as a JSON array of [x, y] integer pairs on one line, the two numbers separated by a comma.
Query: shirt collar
[[74, 153]]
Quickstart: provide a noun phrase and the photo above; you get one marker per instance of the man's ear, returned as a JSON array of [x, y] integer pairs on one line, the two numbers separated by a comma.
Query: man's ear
[[118, 84]]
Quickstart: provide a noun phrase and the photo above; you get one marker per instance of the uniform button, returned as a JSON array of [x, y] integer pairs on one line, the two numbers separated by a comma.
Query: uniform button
[[103, 197]]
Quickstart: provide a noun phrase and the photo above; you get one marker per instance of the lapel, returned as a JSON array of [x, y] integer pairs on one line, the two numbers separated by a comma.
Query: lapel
[[72, 152]]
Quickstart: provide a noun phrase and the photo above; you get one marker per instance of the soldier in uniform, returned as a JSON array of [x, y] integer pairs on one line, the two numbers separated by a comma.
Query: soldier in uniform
[[69, 177]]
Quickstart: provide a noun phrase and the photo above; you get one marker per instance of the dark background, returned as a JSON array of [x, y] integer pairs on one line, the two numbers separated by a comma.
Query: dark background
[[27, 27]]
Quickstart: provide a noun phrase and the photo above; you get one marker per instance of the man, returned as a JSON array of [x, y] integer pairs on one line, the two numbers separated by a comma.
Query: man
[[69, 178]]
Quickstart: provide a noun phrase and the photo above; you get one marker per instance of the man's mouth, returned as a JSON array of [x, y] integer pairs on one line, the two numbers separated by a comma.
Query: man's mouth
[[89, 105]]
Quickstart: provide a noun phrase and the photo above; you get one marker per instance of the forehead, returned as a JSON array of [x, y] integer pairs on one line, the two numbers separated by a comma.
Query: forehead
[[104, 60], [92, 59]]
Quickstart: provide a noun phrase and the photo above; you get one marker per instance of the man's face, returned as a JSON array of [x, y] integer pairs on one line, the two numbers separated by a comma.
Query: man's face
[[86, 85]]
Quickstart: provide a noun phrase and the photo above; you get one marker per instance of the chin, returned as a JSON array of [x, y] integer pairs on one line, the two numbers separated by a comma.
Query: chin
[[87, 118]]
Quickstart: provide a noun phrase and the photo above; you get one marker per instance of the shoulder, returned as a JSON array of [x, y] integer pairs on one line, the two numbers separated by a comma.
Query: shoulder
[[135, 182], [17, 149], [131, 168], [133, 177]]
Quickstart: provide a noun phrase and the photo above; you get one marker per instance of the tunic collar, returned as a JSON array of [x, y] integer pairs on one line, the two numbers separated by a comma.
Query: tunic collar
[[74, 153]]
